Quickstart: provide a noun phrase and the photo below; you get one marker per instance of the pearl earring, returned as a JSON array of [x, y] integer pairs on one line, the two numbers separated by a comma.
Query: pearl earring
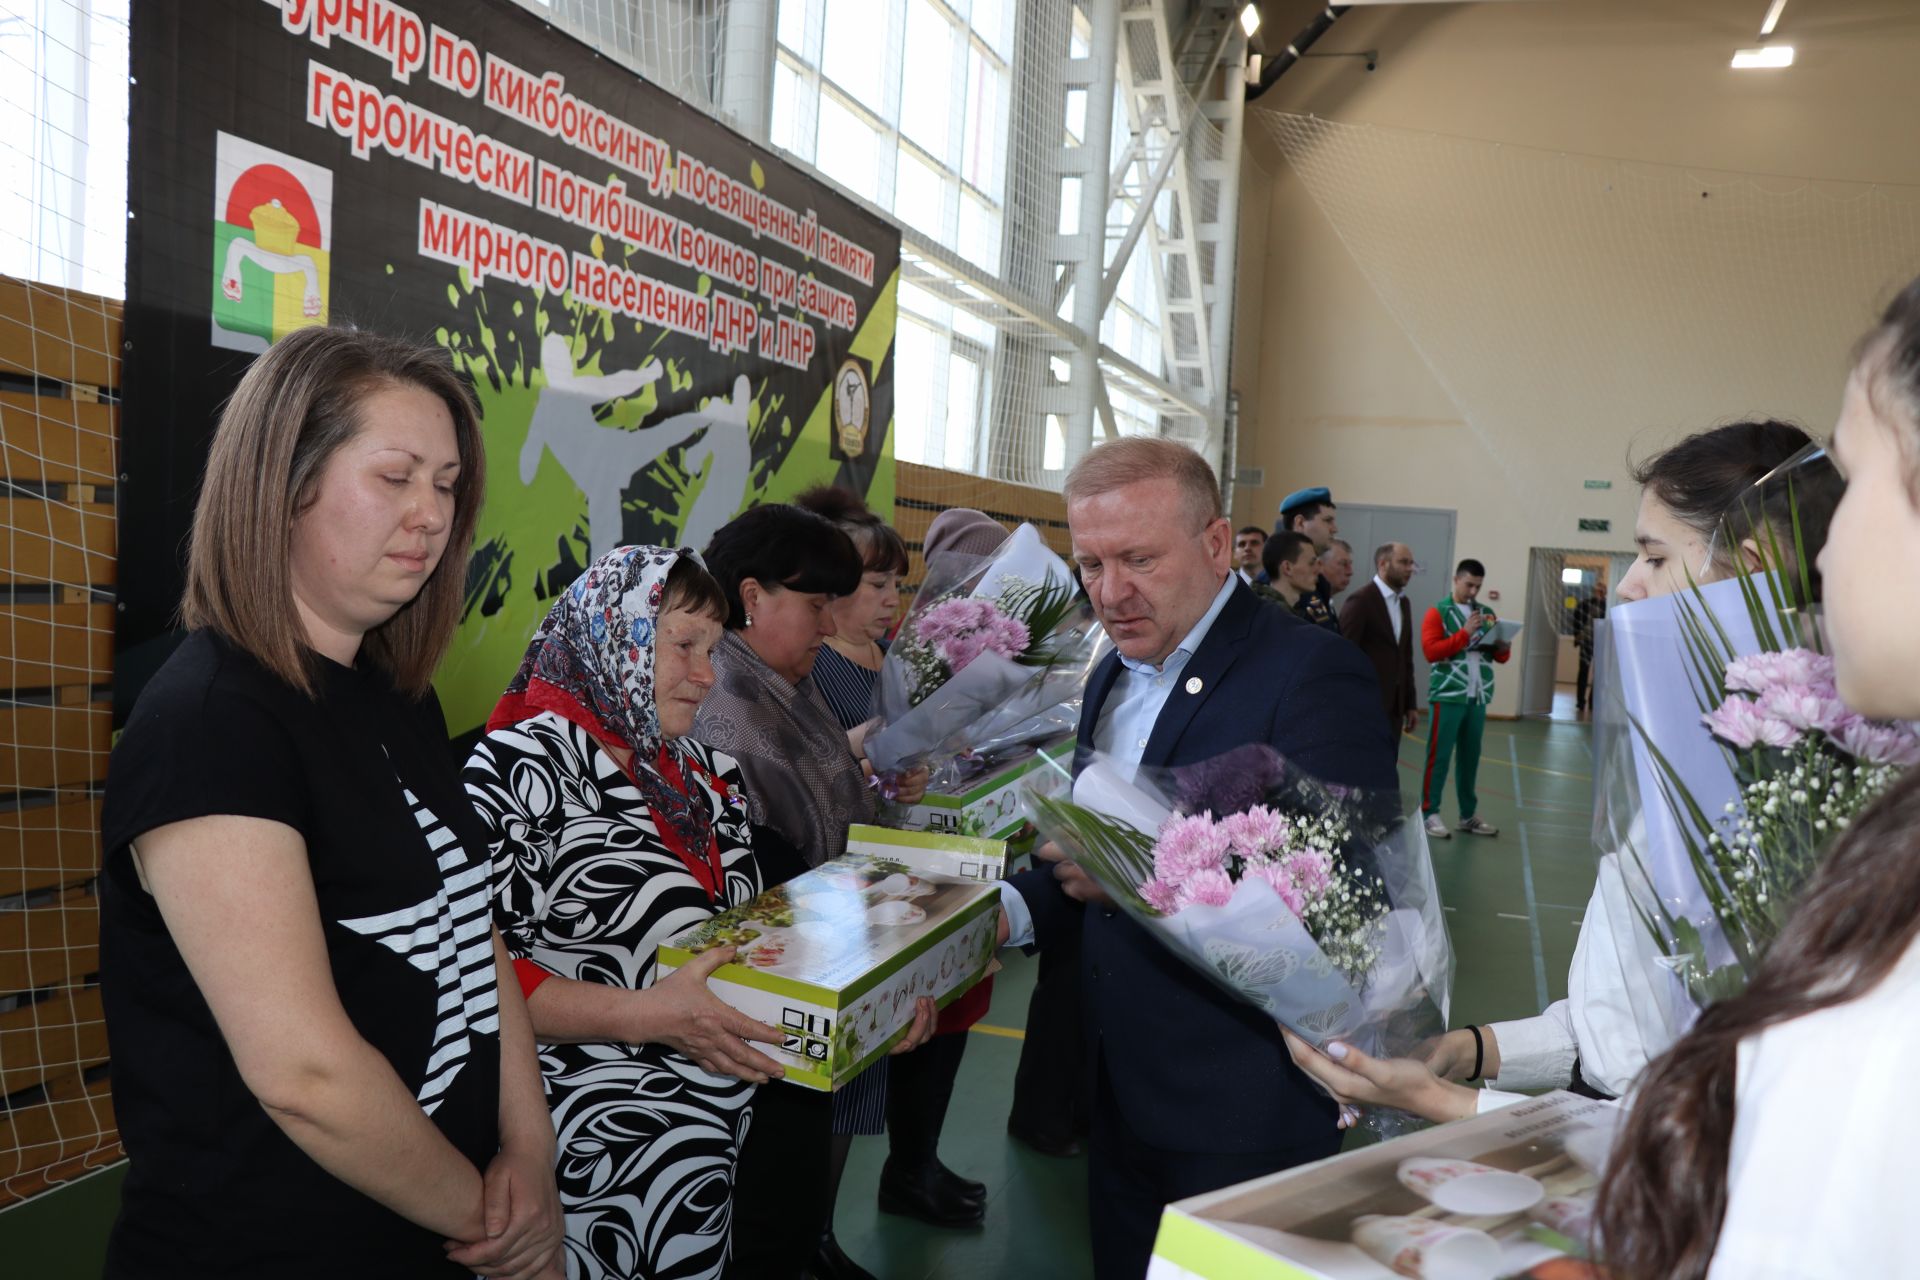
[[749, 619]]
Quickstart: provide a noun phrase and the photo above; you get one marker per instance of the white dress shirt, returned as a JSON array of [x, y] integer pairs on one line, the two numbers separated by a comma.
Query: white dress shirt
[[1393, 604], [1141, 689], [1127, 717]]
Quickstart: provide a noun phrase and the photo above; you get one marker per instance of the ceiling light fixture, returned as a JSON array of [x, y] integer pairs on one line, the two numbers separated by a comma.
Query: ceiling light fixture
[[1772, 55], [1250, 19], [1772, 19]]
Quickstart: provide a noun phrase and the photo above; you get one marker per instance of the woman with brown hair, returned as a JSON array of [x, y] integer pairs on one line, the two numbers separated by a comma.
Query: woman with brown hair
[[322, 1063], [1776, 1138]]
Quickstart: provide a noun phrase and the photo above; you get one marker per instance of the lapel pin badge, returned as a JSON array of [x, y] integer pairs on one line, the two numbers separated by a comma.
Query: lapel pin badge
[[1194, 684]]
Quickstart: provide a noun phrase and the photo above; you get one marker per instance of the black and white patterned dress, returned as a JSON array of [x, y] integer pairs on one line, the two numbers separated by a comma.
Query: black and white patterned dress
[[585, 887]]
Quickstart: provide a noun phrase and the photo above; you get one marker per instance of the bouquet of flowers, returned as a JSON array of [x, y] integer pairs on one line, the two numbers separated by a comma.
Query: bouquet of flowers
[[1306, 900], [988, 644], [1758, 766]]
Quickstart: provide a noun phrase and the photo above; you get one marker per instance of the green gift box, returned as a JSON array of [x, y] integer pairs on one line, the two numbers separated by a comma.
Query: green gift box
[[837, 957], [1495, 1195], [987, 806], [962, 857]]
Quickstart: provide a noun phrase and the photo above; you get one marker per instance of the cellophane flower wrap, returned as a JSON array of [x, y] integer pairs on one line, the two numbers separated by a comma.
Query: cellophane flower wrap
[[1728, 763], [1312, 902], [989, 648]]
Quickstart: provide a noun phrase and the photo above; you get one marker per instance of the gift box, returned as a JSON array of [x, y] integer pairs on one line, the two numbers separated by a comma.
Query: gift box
[[836, 958], [962, 857], [987, 804], [1507, 1193]]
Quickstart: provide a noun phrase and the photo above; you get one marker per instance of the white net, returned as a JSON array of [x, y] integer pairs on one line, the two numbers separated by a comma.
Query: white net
[[1567, 302], [59, 365]]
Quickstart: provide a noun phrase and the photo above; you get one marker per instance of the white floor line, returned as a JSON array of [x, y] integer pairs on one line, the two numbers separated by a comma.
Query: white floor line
[[1533, 912], [1513, 754]]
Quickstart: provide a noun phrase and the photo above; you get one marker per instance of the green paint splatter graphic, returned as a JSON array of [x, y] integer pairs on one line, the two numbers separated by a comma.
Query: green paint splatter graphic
[[628, 380]]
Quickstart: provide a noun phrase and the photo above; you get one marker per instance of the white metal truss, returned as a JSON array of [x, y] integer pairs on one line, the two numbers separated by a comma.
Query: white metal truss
[[1182, 187]]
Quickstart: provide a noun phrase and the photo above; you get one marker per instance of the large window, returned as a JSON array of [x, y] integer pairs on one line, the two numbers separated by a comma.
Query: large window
[[63, 115], [906, 103]]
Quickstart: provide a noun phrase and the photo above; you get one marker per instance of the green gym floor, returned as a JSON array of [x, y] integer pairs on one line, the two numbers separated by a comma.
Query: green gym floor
[[1514, 903]]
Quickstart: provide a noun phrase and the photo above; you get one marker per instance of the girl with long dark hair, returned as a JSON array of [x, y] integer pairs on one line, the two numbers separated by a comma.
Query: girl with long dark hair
[[1776, 1137]]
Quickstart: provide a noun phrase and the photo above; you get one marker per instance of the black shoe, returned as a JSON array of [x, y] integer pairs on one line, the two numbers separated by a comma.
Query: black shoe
[[830, 1262], [964, 1188], [921, 1193], [1064, 1148]]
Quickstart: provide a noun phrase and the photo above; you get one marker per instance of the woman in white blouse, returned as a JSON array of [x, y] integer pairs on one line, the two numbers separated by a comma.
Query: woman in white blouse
[[1777, 1138], [1616, 1015]]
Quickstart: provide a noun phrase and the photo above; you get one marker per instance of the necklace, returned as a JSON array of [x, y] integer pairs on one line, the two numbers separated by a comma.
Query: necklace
[[869, 654]]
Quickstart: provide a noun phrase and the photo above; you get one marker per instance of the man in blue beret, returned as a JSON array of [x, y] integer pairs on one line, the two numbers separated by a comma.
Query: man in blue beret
[[1311, 512]]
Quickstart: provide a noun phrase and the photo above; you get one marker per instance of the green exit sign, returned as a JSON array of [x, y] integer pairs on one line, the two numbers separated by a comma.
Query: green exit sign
[[1599, 484], [1596, 526]]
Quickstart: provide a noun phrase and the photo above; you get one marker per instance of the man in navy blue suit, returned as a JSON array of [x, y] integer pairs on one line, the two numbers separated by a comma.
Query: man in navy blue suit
[[1192, 1089]]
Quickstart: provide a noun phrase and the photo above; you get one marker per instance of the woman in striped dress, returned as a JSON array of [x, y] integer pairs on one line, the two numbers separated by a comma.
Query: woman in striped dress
[[610, 832]]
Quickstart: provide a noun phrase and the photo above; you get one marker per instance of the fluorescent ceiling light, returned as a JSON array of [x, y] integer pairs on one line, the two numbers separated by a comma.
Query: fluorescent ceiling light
[[1772, 55], [1250, 19], [1772, 19]]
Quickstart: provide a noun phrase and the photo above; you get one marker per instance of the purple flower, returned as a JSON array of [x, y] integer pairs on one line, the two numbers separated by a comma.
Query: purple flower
[[1803, 708], [1873, 743], [1161, 896], [1189, 845], [1740, 723], [1761, 673], [1283, 884], [1311, 869], [1206, 887], [1230, 783], [1258, 832], [962, 628]]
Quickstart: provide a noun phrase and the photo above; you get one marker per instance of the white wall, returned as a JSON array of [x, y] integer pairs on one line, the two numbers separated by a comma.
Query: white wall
[[1483, 331]]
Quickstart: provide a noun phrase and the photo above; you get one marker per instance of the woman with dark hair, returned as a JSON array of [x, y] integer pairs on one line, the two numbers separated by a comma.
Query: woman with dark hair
[[782, 569], [1614, 1018], [611, 832], [1776, 1138], [322, 1063], [848, 665], [908, 1098], [1699, 495]]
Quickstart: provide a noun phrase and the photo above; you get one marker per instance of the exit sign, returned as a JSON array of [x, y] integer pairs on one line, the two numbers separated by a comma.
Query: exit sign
[[1599, 484], [1596, 526]]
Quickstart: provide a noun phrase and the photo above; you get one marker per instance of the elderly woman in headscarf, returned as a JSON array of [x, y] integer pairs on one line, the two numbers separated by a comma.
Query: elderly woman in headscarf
[[781, 569], [612, 831]]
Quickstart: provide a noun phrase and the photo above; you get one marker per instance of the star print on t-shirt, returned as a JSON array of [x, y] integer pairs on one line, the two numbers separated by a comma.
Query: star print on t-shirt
[[449, 935]]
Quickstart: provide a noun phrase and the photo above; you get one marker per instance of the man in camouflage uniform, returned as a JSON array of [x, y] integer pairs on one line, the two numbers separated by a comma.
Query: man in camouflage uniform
[[1293, 575]]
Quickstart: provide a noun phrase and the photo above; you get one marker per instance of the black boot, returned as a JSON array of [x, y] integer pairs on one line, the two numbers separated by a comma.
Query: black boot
[[830, 1262], [922, 1193]]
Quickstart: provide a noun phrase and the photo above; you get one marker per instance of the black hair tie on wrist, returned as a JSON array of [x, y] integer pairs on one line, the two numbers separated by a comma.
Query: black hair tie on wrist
[[1479, 1052]]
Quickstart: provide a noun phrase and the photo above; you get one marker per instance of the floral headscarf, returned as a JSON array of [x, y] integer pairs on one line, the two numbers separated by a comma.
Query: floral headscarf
[[591, 663]]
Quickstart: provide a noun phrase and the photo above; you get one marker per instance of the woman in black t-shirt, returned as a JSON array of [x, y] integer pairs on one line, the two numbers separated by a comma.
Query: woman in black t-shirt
[[319, 1068]]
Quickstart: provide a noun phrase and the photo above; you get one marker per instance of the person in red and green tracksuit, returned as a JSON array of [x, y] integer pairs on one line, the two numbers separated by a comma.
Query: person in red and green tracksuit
[[1460, 686]]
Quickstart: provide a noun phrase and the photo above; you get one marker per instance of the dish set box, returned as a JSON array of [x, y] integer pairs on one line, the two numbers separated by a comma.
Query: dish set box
[[1507, 1193], [962, 857], [985, 803], [836, 958]]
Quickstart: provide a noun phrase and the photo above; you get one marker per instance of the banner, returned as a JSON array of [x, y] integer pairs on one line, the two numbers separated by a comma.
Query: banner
[[664, 323]]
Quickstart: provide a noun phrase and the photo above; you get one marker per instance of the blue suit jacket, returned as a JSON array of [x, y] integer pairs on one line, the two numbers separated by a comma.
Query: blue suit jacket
[[1192, 1068]]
